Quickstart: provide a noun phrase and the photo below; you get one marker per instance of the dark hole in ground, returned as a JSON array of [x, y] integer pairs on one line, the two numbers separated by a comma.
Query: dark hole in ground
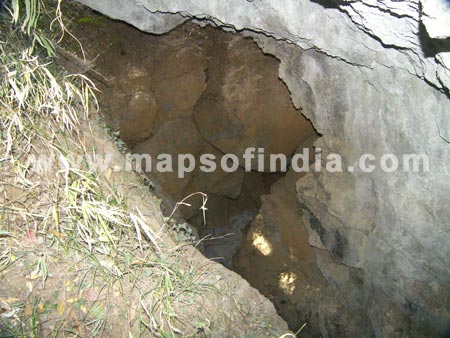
[[203, 91]]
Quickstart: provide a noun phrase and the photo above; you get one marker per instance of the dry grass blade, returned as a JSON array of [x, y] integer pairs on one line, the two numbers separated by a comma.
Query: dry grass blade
[[140, 225], [183, 202]]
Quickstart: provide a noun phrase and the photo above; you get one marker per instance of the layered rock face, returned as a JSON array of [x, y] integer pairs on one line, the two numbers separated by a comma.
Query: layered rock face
[[373, 77]]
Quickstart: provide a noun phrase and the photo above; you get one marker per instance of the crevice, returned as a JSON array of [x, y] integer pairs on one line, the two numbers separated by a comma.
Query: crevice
[[199, 90]]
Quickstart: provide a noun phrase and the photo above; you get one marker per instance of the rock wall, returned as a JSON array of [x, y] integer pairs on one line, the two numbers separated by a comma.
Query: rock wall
[[196, 90], [373, 77]]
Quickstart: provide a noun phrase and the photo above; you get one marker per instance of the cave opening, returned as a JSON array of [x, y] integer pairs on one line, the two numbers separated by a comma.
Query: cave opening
[[200, 90]]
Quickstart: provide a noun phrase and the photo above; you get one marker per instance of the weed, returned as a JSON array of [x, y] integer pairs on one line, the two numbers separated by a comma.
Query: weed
[[42, 109]]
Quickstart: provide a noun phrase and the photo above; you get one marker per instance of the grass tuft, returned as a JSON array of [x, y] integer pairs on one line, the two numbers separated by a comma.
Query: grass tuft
[[42, 110]]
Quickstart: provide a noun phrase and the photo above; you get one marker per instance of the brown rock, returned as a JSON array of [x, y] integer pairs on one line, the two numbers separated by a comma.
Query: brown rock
[[249, 106], [137, 123], [175, 137]]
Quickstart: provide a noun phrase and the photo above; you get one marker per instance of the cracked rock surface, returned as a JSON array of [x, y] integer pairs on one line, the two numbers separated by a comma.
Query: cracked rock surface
[[373, 77]]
